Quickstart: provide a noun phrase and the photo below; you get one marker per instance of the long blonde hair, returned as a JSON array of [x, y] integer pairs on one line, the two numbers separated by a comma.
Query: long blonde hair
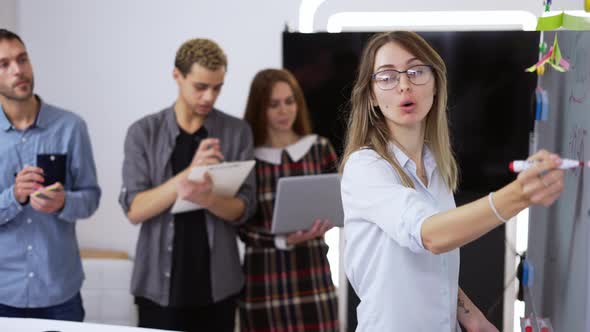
[[367, 126]]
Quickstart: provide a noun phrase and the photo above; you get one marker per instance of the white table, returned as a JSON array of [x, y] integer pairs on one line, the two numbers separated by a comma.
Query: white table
[[42, 325]]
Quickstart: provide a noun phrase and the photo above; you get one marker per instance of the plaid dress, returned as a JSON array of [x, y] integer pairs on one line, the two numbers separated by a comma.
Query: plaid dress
[[287, 290]]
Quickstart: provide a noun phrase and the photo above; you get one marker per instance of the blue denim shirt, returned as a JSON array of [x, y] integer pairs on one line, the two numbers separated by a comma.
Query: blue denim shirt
[[39, 258]]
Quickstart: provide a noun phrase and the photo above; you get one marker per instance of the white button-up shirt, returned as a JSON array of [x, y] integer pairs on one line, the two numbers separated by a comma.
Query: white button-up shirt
[[401, 285]]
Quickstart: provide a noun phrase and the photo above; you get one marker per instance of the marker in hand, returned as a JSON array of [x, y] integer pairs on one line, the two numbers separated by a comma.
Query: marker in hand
[[518, 166]]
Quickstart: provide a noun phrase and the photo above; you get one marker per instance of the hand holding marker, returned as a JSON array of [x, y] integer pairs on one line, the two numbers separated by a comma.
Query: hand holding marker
[[518, 166]]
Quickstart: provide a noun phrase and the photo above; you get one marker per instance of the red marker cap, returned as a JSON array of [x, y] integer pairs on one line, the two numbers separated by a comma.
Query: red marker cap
[[511, 166]]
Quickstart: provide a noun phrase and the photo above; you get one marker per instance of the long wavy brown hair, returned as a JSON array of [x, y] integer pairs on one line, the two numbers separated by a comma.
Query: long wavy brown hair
[[259, 100], [367, 127]]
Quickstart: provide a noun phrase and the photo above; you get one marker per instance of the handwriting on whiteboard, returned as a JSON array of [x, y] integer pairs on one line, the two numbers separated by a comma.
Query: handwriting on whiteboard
[[580, 90], [576, 145]]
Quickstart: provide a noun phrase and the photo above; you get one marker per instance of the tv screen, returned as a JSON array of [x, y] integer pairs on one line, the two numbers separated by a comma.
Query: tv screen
[[490, 94]]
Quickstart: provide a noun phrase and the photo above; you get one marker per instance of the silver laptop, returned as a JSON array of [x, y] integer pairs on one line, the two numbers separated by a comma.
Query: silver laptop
[[301, 200]]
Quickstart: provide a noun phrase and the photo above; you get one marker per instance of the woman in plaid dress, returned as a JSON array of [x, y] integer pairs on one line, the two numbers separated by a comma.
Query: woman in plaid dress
[[288, 280]]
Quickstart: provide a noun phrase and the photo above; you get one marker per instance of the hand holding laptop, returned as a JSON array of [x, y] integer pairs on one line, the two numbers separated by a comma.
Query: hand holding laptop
[[319, 228], [301, 200]]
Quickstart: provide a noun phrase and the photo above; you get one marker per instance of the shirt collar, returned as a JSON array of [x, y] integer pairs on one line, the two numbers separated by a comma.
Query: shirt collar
[[4, 122], [43, 117], [172, 124], [41, 120], [296, 150], [429, 161], [403, 159]]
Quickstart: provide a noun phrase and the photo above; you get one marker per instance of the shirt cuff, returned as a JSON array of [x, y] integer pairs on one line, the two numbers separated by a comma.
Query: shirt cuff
[[10, 205], [65, 212], [281, 243], [247, 210], [12, 199], [415, 242], [125, 198]]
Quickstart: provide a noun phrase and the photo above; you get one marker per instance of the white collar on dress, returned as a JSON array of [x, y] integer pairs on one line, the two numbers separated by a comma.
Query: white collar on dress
[[296, 150]]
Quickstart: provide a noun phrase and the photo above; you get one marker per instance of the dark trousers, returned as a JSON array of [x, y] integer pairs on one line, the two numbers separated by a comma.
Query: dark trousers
[[71, 310], [219, 316]]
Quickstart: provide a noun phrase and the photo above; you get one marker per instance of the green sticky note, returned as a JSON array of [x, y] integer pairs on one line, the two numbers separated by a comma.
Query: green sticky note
[[565, 20], [556, 56], [574, 22], [550, 22]]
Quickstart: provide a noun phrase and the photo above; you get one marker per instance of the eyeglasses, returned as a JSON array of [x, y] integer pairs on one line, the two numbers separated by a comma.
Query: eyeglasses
[[389, 79]]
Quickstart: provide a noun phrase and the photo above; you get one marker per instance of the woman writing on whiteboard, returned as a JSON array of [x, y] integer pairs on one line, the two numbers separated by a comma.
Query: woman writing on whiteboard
[[402, 230], [288, 280]]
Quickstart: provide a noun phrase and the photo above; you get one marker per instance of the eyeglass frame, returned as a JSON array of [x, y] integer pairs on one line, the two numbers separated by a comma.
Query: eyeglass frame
[[373, 76]]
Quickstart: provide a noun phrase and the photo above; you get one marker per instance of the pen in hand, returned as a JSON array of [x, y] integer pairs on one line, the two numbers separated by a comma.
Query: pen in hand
[[518, 166]]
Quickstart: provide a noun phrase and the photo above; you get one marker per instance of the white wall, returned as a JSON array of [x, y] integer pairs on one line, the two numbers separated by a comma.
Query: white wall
[[8, 14], [111, 62]]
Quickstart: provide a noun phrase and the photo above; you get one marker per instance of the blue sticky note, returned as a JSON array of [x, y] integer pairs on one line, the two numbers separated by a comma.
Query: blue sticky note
[[545, 106]]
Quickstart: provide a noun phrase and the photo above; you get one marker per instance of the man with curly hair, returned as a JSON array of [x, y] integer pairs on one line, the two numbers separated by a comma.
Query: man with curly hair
[[187, 271]]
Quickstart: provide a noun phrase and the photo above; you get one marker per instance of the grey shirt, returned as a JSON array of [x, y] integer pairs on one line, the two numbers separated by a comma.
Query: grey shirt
[[148, 148]]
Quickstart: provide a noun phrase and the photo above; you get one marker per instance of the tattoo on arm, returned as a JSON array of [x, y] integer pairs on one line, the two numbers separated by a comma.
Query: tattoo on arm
[[461, 304]]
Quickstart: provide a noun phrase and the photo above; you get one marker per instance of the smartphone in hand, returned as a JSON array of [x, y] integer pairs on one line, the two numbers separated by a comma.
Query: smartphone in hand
[[54, 168]]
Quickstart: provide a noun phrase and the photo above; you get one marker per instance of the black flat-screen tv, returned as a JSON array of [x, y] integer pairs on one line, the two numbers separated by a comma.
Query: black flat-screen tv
[[490, 115]]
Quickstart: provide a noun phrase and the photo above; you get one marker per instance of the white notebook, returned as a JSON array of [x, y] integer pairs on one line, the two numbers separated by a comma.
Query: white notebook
[[227, 180]]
